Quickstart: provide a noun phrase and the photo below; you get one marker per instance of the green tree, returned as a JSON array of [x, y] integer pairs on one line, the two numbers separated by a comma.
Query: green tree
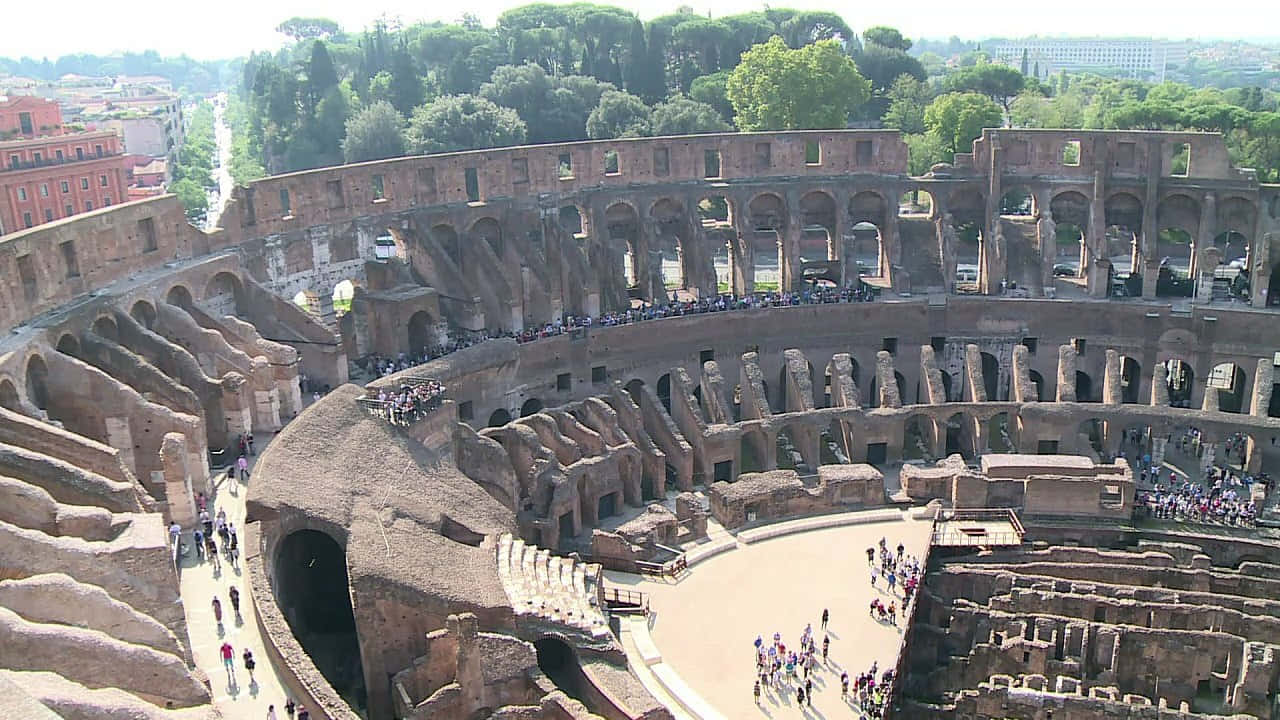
[[463, 122], [957, 119], [375, 133], [908, 97], [556, 108], [321, 74], [680, 115], [194, 199], [925, 150], [619, 114], [886, 37], [713, 90], [998, 82], [778, 88]]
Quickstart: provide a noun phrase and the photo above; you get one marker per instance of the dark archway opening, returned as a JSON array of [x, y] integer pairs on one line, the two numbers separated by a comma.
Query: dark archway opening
[[1084, 387], [607, 506], [1181, 379], [312, 590], [1273, 409], [664, 391], [1130, 379], [69, 345], [499, 418], [38, 382], [957, 437], [105, 327], [1228, 380], [143, 312], [558, 661], [419, 332], [1273, 294], [991, 376], [530, 407], [180, 296], [634, 388]]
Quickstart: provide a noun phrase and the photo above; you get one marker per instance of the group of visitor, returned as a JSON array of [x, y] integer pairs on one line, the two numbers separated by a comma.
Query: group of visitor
[[380, 366], [1220, 495], [899, 570], [411, 402], [781, 670], [718, 303]]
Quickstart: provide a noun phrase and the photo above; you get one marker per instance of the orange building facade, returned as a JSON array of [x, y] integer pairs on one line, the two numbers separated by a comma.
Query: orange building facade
[[53, 174]]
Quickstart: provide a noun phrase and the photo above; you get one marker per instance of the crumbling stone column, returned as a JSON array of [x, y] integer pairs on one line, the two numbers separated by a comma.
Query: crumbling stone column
[[236, 405], [1066, 373], [1158, 447], [1208, 453], [1160, 386], [177, 479]]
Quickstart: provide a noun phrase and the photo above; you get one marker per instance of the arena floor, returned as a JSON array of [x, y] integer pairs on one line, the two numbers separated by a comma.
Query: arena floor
[[705, 624]]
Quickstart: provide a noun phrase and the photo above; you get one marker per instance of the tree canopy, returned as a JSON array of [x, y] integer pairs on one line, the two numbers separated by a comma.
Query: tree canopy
[[619, 114], [463, 122], [375, 133], [1001, 83], [308, 28], [957, 119], [779, 88], [681, 115]]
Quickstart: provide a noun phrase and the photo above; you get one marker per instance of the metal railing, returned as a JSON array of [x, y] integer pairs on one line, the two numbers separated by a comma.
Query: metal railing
[[424, 404], [54, 161], [620, 600]]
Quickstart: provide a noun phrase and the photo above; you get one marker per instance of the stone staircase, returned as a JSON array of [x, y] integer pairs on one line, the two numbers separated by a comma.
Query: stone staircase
[[556, 589]]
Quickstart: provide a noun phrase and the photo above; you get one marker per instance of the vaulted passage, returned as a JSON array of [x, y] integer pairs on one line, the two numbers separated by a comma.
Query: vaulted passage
[[558, 661], [312, 592]]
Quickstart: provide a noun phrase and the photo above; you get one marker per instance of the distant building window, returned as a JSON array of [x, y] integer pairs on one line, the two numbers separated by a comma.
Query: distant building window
[[711, 164], [379, 190], [286, 209], [68, 210], [44, 189], [88, 205], [26, 219], [24, 119], [22, 194], [84, 183], [97, 150], [58, 154], [66, 186], [36, 157], [79, 153], [102, 180], [48, 215], [14, 161], [106, 201]]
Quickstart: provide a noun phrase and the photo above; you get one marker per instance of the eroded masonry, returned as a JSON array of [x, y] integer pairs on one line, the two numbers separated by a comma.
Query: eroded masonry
[[1047, 309]]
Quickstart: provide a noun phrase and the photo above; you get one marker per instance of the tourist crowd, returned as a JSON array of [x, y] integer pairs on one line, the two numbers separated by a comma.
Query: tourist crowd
[[411, 402], [783, 669], [1221, 495], [718, 303]]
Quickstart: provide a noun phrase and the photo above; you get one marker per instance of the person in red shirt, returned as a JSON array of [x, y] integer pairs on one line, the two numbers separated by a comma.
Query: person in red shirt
[[229, 661]]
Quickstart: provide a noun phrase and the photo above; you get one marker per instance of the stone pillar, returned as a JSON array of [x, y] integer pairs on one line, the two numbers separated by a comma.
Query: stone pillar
[[1066, 374], [1263, 379], [1098, 266], [892, 260], [1204, 238], [742, 257], [1046, 238], [236, 406], [1208, 452], [266, 397], [991, 252], [177, 480], [1112, 393], [1150, 232], [846, 240], [1260, 267], [947, 241], [790, 277], [1160, 386], [1158, 447]]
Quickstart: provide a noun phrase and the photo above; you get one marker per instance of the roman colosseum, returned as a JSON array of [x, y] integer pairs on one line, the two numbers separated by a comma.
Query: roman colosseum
[[513, 409]]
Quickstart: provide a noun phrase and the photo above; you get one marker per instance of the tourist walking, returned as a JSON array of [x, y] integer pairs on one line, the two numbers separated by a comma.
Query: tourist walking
[[826, 615], [243, 464], [271, 712], [217, 610], [249, 664], [229, 661], [235, 600]]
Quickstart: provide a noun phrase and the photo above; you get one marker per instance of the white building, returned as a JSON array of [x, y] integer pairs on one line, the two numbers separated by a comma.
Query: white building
[[1141, 58]]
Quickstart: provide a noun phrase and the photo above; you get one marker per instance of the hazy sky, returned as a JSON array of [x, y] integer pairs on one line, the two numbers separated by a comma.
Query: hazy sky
[[234, 27]]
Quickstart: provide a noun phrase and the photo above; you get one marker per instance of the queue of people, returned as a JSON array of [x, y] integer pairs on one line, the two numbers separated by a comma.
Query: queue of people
[[410, 402]]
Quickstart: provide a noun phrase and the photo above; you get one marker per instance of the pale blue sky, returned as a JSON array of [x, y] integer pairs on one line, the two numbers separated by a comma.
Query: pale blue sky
[[234, 27]]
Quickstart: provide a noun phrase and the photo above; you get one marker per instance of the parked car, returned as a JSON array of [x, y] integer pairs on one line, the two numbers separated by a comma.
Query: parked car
[[1064, 270]]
